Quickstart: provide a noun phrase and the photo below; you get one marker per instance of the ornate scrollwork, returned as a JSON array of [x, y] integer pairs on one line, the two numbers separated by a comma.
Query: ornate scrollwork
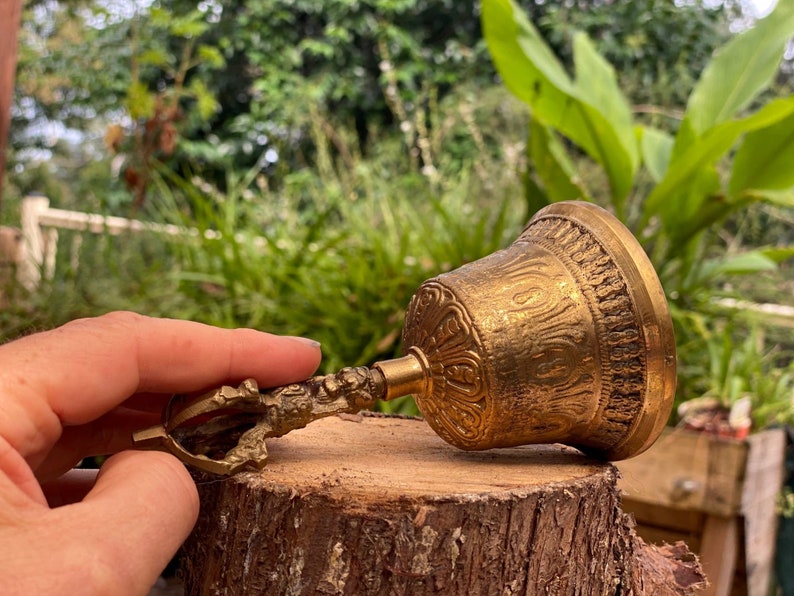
[[223, 431], [457, 404], [620, 339]]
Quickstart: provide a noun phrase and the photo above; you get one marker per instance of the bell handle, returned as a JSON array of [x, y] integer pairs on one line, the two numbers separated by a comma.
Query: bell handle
[[237, 420]]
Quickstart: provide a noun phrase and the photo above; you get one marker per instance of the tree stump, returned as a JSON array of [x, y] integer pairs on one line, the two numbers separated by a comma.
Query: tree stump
[[380, 505]]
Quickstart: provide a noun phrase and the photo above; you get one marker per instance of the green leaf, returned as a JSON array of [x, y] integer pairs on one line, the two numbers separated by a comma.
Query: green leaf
[[597, 87], [160, 17], [741, 69], [188, 26], [778, 254], [656, 147], [699, 204], [139, 101], [781, 198], [523, 59], [765, 159], [211, 56], [317, 48], [668, 196], [155, 57], [553, 168], [534, 196], [582, 111], [754, 261], [206, 103], [339, 34]]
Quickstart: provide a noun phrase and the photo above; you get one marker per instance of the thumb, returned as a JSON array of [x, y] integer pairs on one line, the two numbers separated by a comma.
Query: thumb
[[141, 509]]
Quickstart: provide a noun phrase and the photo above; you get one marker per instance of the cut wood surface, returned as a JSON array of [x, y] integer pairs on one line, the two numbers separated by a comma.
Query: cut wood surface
[[381, 505]]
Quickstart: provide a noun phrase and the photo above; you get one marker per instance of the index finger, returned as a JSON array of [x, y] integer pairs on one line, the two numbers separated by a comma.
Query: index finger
[[75, 373]]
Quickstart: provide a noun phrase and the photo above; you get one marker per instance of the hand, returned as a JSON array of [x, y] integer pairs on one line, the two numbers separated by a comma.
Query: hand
[[81, 390]]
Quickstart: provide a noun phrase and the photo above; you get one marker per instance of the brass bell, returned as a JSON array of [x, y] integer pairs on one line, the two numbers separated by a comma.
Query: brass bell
[[563, 337]]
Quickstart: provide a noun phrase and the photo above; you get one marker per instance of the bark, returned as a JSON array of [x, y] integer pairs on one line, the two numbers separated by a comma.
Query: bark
[[9, 27], [377, 505]]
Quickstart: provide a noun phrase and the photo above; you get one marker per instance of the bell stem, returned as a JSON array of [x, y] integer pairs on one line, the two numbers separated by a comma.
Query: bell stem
[[404, 376]]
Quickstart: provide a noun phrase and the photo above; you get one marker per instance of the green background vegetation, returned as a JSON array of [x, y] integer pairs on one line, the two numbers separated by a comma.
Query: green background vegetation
[[349, 150]]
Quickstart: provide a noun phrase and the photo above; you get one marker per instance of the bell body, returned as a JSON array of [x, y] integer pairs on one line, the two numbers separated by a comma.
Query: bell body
[[564, 336]]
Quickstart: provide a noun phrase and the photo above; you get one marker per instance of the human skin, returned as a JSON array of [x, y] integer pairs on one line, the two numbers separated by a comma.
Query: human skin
[[80, 390]]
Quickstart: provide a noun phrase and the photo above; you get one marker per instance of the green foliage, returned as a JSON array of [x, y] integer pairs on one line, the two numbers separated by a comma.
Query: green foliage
[[381, 154], [95, 274], [689, 195], [785, 503], [426, 40], [253, 67], [739, 71], [333, 252], [589, 109], [349, 58], [713, 124], [762, 163], [163, 96], [657, 47], [67, 72], [741, 364]]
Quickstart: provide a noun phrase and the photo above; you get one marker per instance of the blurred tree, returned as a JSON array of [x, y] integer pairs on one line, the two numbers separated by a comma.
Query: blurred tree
[[73, 66], [165, 101], [342, 56], [364, 61], [258, 71], [107, 79], [658, 47], [72, 75]]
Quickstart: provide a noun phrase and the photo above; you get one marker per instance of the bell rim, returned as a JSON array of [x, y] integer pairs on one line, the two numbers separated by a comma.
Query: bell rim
[[647, 294]]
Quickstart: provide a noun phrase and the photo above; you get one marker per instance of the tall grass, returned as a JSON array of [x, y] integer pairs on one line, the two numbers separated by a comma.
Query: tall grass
[[335, 257], [740, 361]]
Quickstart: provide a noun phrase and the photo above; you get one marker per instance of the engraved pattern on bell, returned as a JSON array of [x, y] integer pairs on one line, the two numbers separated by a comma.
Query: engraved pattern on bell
[[623, 366], [538, 341], [552, 354], [457, 403]]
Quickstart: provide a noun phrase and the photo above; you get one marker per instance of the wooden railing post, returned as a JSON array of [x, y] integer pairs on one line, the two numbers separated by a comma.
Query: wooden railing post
[[36, 256]]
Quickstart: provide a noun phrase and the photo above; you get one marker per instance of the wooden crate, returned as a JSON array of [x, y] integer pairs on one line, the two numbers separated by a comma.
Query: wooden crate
[[716, 494]]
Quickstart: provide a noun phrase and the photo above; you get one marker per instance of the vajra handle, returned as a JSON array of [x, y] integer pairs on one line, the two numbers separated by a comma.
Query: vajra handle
[[223, 431]]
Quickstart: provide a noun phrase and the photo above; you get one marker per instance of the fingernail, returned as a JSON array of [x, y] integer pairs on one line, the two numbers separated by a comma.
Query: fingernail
[[307, 341]]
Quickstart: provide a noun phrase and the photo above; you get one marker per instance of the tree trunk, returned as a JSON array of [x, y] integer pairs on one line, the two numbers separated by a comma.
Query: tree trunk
[[9, 26], [380, 505]]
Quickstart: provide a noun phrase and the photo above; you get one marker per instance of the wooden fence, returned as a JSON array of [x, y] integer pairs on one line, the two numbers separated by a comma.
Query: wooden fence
[[35, 249]]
